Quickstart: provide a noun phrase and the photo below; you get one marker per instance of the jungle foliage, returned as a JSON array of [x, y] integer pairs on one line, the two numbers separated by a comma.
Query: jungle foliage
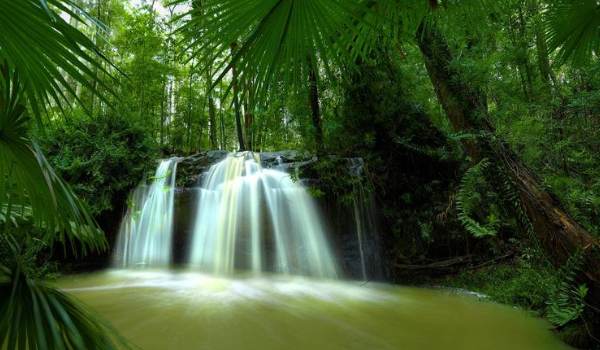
[[467, 114]]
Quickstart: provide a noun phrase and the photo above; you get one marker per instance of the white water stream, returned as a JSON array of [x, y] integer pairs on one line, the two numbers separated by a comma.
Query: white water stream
[[258, 219], [145, 237]]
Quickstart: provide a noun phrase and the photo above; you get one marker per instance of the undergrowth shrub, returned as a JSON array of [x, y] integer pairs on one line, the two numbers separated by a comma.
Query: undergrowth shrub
[[100, 157]]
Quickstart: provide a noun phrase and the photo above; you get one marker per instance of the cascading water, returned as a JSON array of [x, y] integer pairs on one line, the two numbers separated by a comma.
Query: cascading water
[[364, 216], [258, 219], [146, 231]]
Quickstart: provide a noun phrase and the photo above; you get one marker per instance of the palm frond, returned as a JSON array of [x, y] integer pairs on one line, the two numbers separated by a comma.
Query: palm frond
[[573, 27], [35, 316], [282, 41], [35, 40], [277, 40], [30, 190]]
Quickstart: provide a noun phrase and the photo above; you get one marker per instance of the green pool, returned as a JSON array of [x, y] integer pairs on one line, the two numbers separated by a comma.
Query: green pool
[[181, 311]]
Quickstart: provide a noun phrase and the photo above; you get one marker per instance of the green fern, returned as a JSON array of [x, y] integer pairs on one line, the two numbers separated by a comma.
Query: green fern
[[568, 298], [460, 136], [432, 152], [467, 200]]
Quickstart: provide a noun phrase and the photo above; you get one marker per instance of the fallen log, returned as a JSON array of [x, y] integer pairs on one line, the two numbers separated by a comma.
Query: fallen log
[[447, 266]]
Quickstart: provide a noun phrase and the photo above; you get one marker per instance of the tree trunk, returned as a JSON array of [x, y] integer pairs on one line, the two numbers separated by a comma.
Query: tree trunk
[[558, 233], [212, 119], [163, 97], [313, 96], [524, 58], [222, 118], [190, 110], [212, 113], [248, 119], [236, 104]]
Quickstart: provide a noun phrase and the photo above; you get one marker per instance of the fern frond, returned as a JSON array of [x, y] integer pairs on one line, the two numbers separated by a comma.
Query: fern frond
[[568, 297], [467, 199]]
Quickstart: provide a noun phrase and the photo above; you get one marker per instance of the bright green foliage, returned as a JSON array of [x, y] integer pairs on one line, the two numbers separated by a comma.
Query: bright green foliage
[[567, 300], [572, 26], [568, 305], [39, 51], [101, 157], [525, 283], [530, 284], [37, 316], [31, 193], [376, 102], [279, 40], [547, 114], [44, 63]]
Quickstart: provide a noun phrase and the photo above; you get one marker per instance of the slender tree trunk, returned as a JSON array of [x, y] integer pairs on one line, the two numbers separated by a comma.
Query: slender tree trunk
[[212, 119], [97, 40], [525, 58], [313, 96], [238, 121], [142, 85], [222, 118], [558, 233], [520, 71], [162, 111], [248, 119], [190, 109], [236, 103], [212, 114]]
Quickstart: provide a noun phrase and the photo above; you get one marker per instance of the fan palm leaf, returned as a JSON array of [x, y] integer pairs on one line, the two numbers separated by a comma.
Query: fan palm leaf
[[36, 316], [35, 40], [282, 41], [573, 27], [30, 190], [278, 40]]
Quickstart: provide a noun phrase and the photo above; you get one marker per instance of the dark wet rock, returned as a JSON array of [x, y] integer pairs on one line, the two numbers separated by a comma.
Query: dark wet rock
[[190, 168], [183, 222], [289, 157]]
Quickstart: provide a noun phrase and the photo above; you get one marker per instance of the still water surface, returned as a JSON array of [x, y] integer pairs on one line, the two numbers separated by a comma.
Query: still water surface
[[181, 311]]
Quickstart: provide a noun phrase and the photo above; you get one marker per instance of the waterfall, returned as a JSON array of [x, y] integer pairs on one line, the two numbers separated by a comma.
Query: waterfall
[[258, 219], [146, 232], [248, 215], [364, 216]]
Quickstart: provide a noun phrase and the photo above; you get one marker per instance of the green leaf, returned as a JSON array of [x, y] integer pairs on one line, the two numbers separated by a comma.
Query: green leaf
[[37, 42], [37, 316], [573, 27], [30, 190]]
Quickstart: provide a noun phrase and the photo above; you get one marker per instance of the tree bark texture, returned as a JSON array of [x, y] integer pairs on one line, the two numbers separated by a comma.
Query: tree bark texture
[[559, 234]]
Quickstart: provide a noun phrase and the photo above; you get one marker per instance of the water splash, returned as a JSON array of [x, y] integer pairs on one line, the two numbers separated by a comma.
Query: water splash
[[146, 232], [258, 219]]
